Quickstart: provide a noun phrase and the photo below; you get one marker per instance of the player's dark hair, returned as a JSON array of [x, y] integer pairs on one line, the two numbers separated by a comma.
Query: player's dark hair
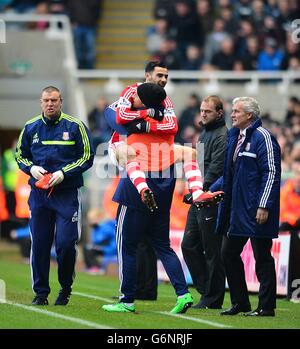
[[150, 66]]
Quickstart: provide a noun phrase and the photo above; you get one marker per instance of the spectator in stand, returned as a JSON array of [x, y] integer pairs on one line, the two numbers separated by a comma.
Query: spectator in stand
[[270, 29], [290, 201], [294, 66], [5, 4], [163, 9], [187, 117], [102, 248], [183, 26], [24, 6], [292, 50], [245, 31], [206, 16], [169, 54], [225, 58], [243, 9], [272, 8], [214, 39], [193, 60], [156, 34], [99, 128], [231, 24], [249, 57], [22, 236], [286, 15], [270, 58], [84, 16], [258, 13], [291, 108], [57, 7]]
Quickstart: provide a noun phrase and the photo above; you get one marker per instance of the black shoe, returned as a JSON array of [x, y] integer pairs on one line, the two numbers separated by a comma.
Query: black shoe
[[261, 312], [40, 300], [236, 308], [63, 296]]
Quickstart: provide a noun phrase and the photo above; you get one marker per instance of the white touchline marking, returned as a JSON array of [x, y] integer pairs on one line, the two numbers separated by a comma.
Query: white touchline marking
[[59, 316], [93, 297], [211, 323]]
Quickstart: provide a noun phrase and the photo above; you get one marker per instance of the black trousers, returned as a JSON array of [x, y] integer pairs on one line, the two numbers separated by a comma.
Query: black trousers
[[201, 249], [146, 270], [232, 248]]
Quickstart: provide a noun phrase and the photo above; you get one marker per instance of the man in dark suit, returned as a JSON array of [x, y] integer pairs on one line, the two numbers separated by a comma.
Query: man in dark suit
[[251, 182]]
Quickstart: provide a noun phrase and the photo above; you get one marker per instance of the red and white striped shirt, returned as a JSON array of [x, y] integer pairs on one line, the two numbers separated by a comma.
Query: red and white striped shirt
[[156, 147]]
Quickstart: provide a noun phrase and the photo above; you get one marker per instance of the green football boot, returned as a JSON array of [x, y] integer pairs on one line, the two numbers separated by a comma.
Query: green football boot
[[119, 307], [182, 304]]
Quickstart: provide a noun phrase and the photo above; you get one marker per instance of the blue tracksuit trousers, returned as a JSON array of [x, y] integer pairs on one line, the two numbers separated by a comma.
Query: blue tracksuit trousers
[[130, 223], [55, 218]]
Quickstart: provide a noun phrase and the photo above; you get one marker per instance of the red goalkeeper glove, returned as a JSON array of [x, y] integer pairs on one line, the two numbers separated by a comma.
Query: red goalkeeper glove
[[43, 183]]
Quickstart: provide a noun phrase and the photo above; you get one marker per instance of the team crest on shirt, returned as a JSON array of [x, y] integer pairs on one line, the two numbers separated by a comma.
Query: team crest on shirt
[[123, 102], [247, 148], [65, 136]]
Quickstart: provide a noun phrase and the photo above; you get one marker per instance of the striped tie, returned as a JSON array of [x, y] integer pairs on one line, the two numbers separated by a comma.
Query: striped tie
[[238, 146]]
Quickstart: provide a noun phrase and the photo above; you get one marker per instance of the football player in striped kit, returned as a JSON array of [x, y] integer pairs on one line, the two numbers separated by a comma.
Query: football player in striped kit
[[133, 217]]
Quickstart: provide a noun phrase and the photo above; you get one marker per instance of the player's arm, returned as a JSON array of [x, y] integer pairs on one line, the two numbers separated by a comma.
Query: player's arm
[[23, 154], [124, 113], [168, 125]]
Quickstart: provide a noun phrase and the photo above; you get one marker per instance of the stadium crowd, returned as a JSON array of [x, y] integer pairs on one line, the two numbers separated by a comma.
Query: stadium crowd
[[225, 35]]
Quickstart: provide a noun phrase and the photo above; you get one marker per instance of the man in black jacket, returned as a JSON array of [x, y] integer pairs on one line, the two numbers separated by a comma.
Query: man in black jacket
[[201, 247]]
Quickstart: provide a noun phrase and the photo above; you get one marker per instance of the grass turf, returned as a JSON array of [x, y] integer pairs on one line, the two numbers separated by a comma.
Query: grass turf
[[91, 292]]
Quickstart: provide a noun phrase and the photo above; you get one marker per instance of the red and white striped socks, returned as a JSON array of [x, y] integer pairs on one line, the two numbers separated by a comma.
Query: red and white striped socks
[[136, 175], [194, 178]]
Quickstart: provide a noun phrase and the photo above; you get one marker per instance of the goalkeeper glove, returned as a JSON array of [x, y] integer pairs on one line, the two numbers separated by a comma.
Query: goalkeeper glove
[[37, 172], [43, 183], [57, 177], [155, 114], [138, 126]]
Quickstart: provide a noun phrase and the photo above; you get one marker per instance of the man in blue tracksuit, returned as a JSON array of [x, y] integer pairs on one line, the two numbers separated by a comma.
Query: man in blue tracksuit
[[251, 182], [57, 143]]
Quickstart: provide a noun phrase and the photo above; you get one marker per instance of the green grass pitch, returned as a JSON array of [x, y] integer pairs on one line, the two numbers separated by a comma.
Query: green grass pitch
[[91, 292]]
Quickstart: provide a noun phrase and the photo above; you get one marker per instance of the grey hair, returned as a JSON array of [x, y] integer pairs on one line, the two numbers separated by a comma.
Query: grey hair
[[250, 106]]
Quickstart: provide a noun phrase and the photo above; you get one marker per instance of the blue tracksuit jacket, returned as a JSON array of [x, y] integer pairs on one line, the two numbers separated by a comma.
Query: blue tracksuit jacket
[[63, 144], [253, 182]]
